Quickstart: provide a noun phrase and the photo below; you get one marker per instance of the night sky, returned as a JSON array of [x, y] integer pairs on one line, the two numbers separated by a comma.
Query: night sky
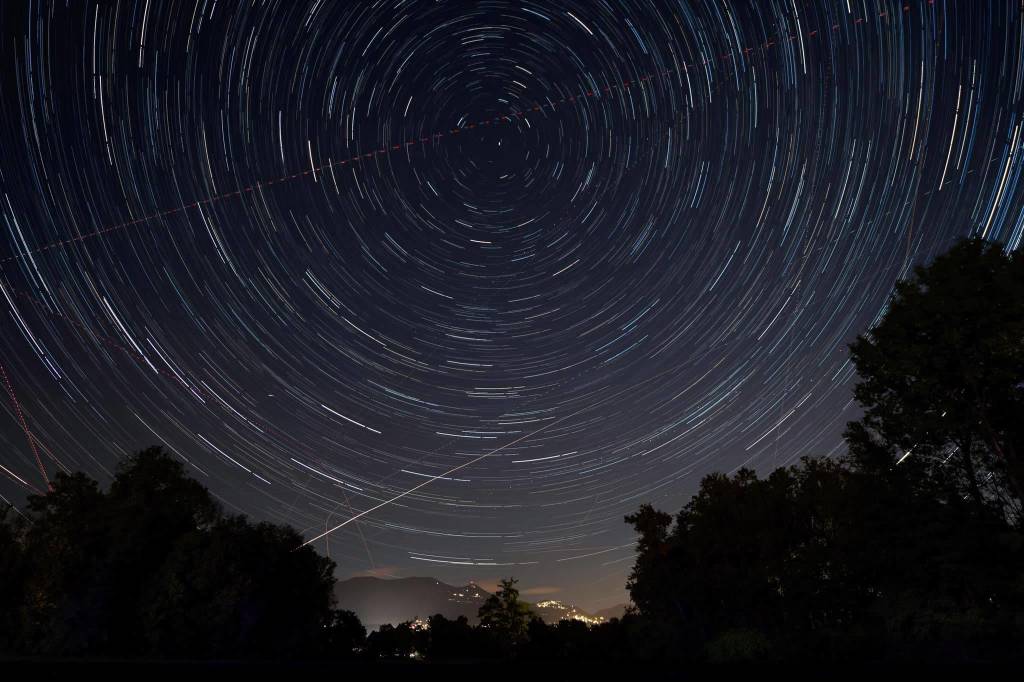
[[545, 260]]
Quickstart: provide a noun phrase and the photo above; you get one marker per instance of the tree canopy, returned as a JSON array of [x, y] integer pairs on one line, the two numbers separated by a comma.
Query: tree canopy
[[912, 547], [823, 561], [506, 615], [942, 376], [152, 567]]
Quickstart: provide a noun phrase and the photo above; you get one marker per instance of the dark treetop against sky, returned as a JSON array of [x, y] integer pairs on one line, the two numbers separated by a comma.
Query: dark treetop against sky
[[325, 251]]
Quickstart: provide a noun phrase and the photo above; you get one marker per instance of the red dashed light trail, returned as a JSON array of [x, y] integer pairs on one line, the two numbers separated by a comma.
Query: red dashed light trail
[[858, 21]]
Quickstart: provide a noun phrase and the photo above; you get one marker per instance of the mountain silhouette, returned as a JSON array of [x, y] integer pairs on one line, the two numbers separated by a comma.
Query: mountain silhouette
[[616, 611]]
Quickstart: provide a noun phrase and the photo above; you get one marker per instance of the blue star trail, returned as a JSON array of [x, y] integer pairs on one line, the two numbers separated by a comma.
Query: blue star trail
[[475, 279]]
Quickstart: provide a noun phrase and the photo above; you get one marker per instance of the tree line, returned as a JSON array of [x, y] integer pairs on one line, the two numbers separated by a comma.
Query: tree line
[[910, 547]]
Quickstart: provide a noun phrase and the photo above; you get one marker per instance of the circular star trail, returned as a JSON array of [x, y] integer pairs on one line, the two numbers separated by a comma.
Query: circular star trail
[[486, 275]]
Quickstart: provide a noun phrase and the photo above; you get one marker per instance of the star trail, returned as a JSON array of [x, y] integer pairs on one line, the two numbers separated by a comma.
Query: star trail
[[453, 286]]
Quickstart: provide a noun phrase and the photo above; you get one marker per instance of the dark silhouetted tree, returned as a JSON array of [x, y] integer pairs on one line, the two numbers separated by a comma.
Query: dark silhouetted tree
[[152, 567], [741, 559], [821, 561], [942, 377], [392, 642], [569, 640], [450, 640], [346, 635], [240, 590], [12, 582], [151, 508], [66, 545], [506, 617]]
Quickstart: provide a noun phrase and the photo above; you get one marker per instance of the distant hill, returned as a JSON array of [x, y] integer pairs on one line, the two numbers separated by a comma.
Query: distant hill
[[616, 611], [378, 600], [551, 611]]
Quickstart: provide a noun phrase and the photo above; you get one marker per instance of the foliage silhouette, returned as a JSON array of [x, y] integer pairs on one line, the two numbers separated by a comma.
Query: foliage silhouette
[[942, 378], [888, 554], [346, 635], [822, 561], [153, 568], [393, 641], [506, 617], [449, 640]]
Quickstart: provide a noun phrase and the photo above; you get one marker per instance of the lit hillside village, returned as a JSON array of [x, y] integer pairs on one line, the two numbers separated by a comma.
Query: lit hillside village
[[550, 607], [570, 612], [551, 610]]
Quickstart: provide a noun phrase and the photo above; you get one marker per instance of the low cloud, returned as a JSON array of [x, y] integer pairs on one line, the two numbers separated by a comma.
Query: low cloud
[[541, 590], [378, 572], [489, 585]]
